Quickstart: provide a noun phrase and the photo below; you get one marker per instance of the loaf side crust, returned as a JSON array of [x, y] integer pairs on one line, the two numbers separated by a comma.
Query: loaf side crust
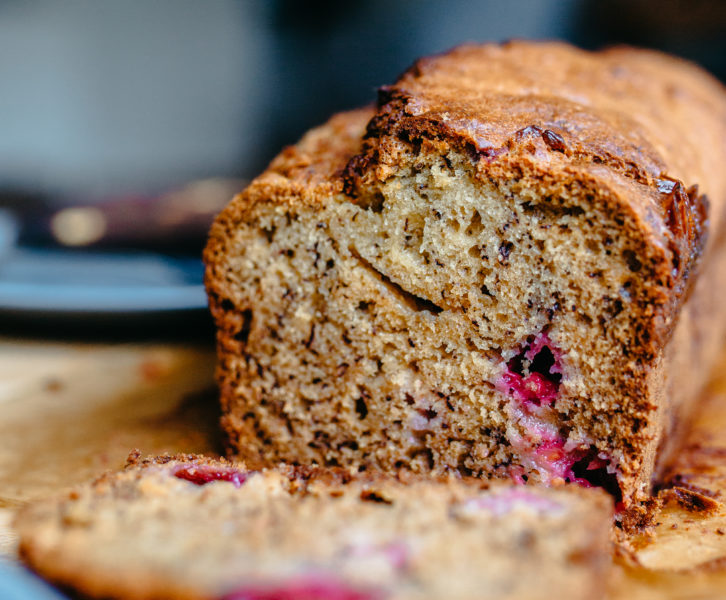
[[522, 120]]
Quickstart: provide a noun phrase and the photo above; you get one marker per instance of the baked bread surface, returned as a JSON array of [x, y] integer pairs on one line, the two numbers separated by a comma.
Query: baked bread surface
[[186, 527], [494, 272]]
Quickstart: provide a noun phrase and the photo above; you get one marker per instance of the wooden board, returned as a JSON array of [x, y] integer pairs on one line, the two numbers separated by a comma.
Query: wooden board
[[72, 411], [684, 556]]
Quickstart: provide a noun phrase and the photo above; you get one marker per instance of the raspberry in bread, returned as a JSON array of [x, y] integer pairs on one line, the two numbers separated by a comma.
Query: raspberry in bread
[[191, 528], [503, 269]]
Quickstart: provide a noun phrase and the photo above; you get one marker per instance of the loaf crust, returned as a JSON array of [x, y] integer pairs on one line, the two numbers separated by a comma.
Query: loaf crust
[[519, 229], [187, 527]]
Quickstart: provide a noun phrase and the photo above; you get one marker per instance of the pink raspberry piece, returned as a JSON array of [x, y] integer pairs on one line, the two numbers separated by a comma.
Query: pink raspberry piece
[[581, 466], [541, 384], [203, 474], [552, 457], [313, 588], [559, 462], [534, 389], [532, 380]]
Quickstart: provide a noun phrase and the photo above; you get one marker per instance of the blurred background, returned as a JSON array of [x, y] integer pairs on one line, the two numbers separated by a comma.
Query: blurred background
[[158, 111], [101, 98]]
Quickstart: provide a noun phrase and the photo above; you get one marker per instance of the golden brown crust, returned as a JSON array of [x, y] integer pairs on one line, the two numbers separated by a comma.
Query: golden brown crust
[[622, 107]]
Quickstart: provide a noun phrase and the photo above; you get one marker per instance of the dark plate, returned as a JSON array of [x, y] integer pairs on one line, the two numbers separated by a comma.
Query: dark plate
[[58, 282]]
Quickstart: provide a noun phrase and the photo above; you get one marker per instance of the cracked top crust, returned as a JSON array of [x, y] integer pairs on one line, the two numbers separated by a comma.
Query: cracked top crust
[[641, 115], [640, 112]]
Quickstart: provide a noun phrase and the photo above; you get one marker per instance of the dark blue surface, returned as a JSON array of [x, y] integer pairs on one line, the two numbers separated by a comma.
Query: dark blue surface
[[57, 281]]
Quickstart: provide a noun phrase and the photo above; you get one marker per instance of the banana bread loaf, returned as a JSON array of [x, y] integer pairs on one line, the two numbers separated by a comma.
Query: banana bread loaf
[[190, 528], [512, 266]]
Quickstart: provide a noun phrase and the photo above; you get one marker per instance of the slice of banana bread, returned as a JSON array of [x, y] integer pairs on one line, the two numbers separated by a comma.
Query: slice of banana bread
[[192, 528], [493, 272]]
